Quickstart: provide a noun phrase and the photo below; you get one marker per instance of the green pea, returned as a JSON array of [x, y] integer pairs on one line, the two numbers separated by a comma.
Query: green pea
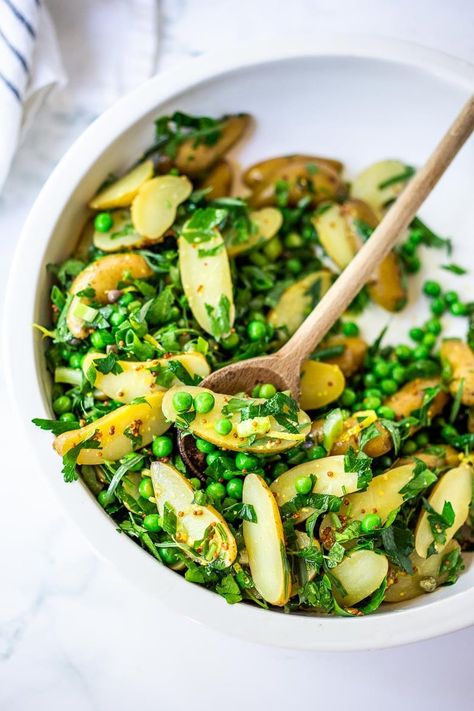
[[75, 360], [117, 317], [370, 522], [64, 352], [316, 452], [234, 488], [416, 334], [458, 309], [211, 458], [256, 391], [389, 386], [403, 352], [267, 390], [370, 380], [422, 439], [451, 297], [386, 412], [230, 342], [294, 266], [103, 498], [169, 556], [195, 482], [145, 488], [162, 446], [433, 326], [216, 490], [103, 222], [204, 403], [448, 431], [67, 417], [246, 462], [182, 401], [399, 374], [349, 328], [62, 404], [205, 447], [420, 353], [429, 339], [409, 447], [303, 484], [416, 236], [134, 467], [126, 298], [293, 241], [101, 338], [385, 462], [256, 330], [372, 392], [273, 249], [409, 248], [381, 369], [431, 288], [223, 427], [372, 403], [437, 306], [412, 264], [152, 523], [348, 397], [279, 468]]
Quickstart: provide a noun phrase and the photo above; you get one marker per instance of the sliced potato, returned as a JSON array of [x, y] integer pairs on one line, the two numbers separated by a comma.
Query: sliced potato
[[207, 283], [369, 184], [144, 420], [440, 456], [461, 360], [154, 207], [263, 171], [351, 359], [122, 234], [122, 191], [85, 241], [137, 378], [350, 436], [192, 159], [298, 300], [331, 478], [410, 398], [338, 240], [388, 285], [102, 276], [267, 222], [315, 182], [265, 543], [321, 383], [427, 576], [455, 487], [361, 573], [203, 426], [194, 522], [219, 180]]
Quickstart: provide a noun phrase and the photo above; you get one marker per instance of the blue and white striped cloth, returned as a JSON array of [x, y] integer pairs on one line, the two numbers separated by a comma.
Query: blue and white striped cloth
[[30, 65]]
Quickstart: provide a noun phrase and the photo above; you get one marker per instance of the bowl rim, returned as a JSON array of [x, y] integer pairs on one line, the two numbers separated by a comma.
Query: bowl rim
[[380, 630]]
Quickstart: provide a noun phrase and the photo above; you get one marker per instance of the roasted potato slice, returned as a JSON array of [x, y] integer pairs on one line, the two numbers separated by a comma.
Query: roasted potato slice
[[352, 430], [117, 431], [193, 159], [428, 574], [137, 378], [193, 522], [154, 207], [219, 180], [439, 456], [321, 383], [122, 191], [207, 283], [263, 171], [266, 223], [460, 358], [387, 288], [122, 234], [271, 436], [265, 543], [330, 478], [361, 573], [454, 487], [102, 276], [337, 239], [313, 181], [298, 300], [410, 398], [380, 184], [351, 359]]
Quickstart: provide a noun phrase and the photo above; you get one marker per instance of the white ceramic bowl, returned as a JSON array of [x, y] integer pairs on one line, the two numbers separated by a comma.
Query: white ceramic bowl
[[356, 99]]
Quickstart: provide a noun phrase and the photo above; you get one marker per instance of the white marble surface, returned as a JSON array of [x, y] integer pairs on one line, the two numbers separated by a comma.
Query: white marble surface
[[73, 633]]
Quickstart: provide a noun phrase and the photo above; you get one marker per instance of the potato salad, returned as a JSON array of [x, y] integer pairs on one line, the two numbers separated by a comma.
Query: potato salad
[[355, 496]]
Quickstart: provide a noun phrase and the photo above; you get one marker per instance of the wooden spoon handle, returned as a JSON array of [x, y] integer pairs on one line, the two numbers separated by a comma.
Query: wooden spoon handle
[[358, 272]]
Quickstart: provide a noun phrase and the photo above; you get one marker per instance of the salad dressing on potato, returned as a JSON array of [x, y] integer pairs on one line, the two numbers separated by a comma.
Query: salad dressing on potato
[[357, 496]]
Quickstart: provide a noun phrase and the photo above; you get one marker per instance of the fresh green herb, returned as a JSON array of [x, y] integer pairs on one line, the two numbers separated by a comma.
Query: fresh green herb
[[335, 555], [400, 178], [70, 458], [361, 464], [57, 427], [439, 522], [421, 480], [457, 402], [219, 317], [451, 567], [229, 589], [454, 268], [201, 227], [169, 521], [398, 543]]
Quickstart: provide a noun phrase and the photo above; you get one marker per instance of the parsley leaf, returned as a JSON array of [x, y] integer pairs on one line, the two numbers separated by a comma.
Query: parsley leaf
[[57, 427], [70, 458], [398, 543], [229, 589], [421, 480], [219, 317], [361, 464], [439, 522], [109, 364], [169, 521], [201, 227], [454, 268]]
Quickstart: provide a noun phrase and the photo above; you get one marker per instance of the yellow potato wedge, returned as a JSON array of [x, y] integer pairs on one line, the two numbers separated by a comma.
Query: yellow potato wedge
[[351, 359], [122, 191], [267, 222], [192, 159], [369, 184], [298, 300], [154, 207], [352, 429], [137, 378], [263, 171], [145, 420], [321, 383], [427, 575], [461, 360], [122, 234], [388, 285], [219, 180], [331, 478], [207, 284], [194, 522], [265, 543], [410, 398], [275, 440], [455, 487], [337, 239], [360, 574], [103, 275]]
